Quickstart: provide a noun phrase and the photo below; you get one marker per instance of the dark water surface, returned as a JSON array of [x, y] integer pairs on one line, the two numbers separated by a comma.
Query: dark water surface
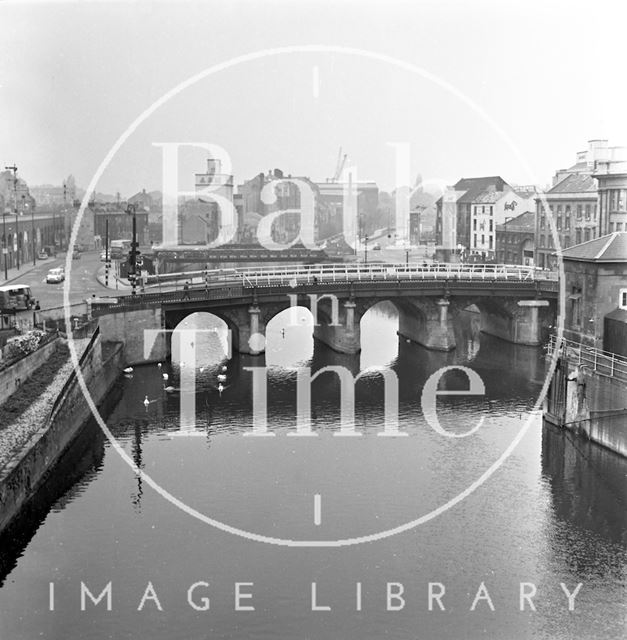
[[553, 513]]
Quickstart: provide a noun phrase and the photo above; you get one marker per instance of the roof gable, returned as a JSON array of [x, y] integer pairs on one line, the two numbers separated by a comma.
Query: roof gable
[[610, 248]]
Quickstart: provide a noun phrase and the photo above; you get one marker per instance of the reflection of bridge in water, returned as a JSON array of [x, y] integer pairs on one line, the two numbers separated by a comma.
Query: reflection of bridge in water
[[515, 303]]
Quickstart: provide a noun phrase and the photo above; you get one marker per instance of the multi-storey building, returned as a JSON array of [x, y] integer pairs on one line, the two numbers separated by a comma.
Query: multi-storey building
[[611, 175], [456, 206], [488, 209], [572, 208], [515, 239]]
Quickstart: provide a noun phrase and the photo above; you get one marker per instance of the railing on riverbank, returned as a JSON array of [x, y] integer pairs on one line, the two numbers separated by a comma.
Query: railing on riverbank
[[601, 362]]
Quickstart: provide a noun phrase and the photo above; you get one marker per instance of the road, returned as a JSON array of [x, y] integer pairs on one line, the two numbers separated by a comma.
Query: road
[[83, 280]]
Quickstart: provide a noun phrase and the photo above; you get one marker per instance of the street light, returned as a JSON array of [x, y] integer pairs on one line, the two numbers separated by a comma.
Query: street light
[[4, 244], [365, 249]]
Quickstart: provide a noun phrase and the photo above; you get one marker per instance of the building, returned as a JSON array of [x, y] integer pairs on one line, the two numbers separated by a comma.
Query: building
[[331, 211], [596, 292], [149, 201], [515, 239], [120, 224], [454, 210], [611, 175], [597, 151], [572, 206], [488, 209]]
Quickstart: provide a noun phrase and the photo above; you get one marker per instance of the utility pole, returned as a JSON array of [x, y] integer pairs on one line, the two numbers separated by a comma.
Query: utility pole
[[131, 209]]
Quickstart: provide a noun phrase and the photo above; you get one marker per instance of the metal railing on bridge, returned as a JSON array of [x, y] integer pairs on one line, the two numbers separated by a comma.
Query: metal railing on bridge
[[292, 275], [602, 362]]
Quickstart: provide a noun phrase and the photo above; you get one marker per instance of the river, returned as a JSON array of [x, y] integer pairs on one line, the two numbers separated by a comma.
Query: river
[[551, 516]]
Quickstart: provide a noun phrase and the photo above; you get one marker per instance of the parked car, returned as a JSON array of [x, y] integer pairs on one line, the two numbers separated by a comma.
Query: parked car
[[76, 255], [55, 276], [43, 255], [103, 256], [376, 247]]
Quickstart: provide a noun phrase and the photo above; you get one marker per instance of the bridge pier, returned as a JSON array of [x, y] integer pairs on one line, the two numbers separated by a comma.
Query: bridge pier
[[345, 337], [251, 335], [522, 327], [430, 326]]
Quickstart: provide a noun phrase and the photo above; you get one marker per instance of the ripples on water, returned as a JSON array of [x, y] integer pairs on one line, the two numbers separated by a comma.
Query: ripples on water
[[554, 512]]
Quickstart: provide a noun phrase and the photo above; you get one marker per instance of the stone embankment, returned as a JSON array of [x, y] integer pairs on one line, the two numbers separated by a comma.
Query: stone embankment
[[32, 445]]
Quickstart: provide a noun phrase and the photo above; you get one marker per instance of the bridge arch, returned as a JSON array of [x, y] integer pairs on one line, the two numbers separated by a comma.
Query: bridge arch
[[289, 336]]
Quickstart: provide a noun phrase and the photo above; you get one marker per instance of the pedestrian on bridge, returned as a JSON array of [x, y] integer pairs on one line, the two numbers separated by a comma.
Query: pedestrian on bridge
[[186, 290]]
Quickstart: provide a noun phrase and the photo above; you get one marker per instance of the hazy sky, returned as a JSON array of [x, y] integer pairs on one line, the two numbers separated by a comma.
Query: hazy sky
[[74, 76]]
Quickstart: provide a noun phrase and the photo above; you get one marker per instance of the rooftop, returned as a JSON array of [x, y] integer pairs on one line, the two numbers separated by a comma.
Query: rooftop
[[575, 183], [525, 221], [610, 248], [475, 186]]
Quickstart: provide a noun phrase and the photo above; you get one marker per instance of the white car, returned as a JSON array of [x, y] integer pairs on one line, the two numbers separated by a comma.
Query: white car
[[55, 276]]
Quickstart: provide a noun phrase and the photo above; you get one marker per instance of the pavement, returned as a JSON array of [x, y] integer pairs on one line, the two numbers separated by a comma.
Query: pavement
[[15, 274]]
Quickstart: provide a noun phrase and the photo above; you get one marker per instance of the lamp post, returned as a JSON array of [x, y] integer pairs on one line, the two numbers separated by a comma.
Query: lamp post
[[17, 240], [107, 264], [4, 244], [365, 249]]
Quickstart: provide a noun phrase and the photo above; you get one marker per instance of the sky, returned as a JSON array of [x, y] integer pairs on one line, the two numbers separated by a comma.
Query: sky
[[469, 88]]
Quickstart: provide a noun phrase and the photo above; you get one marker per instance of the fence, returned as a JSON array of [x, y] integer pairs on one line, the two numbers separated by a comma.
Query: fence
[[601, 362]]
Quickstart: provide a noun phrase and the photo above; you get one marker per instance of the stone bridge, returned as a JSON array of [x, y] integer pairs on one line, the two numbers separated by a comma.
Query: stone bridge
[[516, 304]]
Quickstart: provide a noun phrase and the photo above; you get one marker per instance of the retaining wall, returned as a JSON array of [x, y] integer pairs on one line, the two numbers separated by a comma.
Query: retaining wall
[[20, 479], [13, 376]]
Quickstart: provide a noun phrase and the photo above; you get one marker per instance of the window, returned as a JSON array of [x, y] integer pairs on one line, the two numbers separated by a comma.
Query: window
[[559, 209], [566, 242], [474, 242], [587, 212], [491, 226], [586, 234], [622, 299], [619, 226], [578, 236], [542, 221], [474, 224], [567, 225], [542, 241], [613, 199], [491, 210], [559, 221], [622, 200], [575, 306], [482, 239], [580, 210], [491, 242]]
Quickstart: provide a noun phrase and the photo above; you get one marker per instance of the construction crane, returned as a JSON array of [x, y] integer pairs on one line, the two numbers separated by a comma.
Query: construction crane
[[341, 161]]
